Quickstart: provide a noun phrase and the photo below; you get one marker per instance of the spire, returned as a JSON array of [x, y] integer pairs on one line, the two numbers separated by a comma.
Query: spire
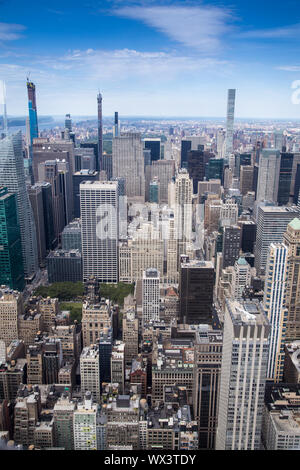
[[5, 125]]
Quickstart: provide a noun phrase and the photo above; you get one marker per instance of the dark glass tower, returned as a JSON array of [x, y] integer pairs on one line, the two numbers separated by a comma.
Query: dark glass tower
[[11, 261], [285, 178]]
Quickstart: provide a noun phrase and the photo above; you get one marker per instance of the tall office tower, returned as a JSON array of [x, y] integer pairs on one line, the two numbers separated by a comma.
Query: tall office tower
[[33, 120], [118, 365], [278, 140], [151, 295], [291, 239], [36, 199], [196, 164], [100, 133], [246, 179], [248, 235], [50, 240], [268, 176], [65, 183], [116, 129], [285, 178], [128, 162], [99, 201], [85, 424], [68, 122], [84, 159], [241, 278], [26, 414], [275, 309], [196, 285], [163, 171], [48, 172], [63, 412], [11, 306], [232, 237], [207, 370], [90, 372], [130, 335], [153, 144], [230, 122], [11, 261], [272, 222], [78, 178], [105, 348], [243, 376], [183, 209], [186, 146], [13, 178]]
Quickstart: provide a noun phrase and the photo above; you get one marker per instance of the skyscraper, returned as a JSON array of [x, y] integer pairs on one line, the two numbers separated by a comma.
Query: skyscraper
[[272, 222], [100, 133], [230, 122], [291, 239], [243, 376], [275, 309], [128, 162], [196, 286], [116, 129], [268, 175], [33, 121], [11, 261], [99, 201], [13, 177], [150, 295]]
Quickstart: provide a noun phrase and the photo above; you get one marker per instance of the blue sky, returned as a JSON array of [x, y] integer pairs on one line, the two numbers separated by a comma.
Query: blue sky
[[147, 57]]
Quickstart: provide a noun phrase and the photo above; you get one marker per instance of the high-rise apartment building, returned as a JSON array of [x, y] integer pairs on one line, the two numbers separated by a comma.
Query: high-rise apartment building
[[63, 423], [33, 120], [230, 122], [243, 376], [12, 176], [99, 230], [231, 245], [100, 132]]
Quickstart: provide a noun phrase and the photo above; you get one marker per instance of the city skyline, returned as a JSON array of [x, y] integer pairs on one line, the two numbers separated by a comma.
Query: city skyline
[[159, 58]]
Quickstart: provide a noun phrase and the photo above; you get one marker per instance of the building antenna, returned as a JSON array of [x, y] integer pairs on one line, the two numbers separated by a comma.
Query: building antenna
[[5, 124]]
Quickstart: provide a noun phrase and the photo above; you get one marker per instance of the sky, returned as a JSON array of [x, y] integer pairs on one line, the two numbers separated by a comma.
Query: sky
[[152, 57]]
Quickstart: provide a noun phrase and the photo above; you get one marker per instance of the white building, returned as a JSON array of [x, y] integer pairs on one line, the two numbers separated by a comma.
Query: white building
[[275, 309], [230, 122], [99, 211], [90, 372], [243, 376], [268, 175], [151, 295]]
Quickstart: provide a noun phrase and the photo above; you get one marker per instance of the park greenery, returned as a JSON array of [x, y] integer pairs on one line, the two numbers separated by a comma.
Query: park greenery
[[71, 295]]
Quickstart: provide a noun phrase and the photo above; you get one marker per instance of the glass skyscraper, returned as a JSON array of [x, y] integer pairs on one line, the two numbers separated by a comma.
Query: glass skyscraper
[[11, 261], [12, 176], [33, 121]]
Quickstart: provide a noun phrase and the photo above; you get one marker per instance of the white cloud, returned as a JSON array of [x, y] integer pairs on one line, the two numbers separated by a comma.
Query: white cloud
[[289, 68], [281, 32], [201, 27], [10, 31]]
